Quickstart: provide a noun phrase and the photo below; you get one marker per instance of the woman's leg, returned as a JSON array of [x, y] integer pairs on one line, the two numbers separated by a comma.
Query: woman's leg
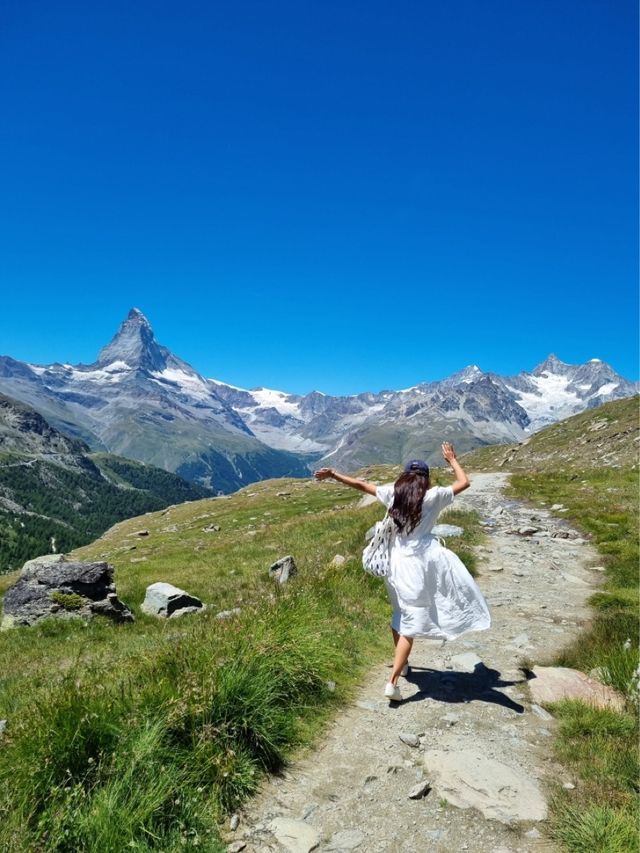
[[403, 650]]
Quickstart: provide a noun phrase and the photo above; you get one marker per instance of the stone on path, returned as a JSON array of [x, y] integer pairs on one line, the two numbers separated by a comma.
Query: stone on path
[[466, 661], [296, 836], [469, 779], [167, 601], [447, 530], [409, 738], [419, 791], [283, 569], [553, 683], [345, 839]]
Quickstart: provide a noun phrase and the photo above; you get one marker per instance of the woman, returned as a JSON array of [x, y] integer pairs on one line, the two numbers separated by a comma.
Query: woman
[[432, 593]]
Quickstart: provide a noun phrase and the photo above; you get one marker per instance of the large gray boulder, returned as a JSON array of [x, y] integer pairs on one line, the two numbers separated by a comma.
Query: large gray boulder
[[167, 601], [65, 589]]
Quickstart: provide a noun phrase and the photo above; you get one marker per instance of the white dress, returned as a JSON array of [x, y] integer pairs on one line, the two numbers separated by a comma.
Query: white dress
[[431, 592]]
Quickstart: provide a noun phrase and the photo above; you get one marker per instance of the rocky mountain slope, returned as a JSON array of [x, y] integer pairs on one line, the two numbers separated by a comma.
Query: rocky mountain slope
[[55, 495], [141, 401], [470, 408], [608, 436]]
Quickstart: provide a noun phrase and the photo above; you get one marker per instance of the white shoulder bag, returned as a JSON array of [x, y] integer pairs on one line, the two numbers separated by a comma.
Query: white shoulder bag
[[375, 557]]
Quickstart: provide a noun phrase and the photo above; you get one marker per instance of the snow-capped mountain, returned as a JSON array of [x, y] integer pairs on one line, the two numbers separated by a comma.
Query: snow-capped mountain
[[555, 390], [471, 407], [140, 400]]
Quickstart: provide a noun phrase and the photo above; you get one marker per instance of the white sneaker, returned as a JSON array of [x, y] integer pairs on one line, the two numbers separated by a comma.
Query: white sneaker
[[405, 670], [392, 692]]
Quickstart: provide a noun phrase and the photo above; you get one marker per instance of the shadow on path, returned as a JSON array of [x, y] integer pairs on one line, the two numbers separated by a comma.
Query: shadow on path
[[482, 685]]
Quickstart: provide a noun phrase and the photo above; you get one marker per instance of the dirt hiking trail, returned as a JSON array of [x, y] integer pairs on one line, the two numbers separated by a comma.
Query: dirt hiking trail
[[467, 742]]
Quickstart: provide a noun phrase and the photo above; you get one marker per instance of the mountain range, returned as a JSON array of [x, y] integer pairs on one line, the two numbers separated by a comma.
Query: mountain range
[[141, 401]]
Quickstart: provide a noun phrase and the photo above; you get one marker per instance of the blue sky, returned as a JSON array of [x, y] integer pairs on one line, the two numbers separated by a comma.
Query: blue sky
[[338, 195]]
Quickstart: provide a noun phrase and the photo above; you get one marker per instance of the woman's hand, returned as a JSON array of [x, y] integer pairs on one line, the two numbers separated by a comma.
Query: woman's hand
[[323, 473], [448, 452]]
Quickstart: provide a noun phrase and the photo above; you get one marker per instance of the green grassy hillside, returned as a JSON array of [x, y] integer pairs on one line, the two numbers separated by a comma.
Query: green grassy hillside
[[74, 499], [144, 736], [608, 436]]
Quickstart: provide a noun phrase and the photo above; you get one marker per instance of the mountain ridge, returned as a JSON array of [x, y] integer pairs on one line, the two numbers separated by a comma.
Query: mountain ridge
[[140, 400]]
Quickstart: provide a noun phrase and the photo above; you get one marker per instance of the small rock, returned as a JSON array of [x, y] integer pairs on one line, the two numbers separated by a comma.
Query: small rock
[[3, 726], [493, 567], [283, 569], [596, 568], [419, 791], [141, 533], [228, 614], [236, 846], [282, 494], [556, 507], [450, 719], [466, 661], [212, 528], [436, 834], [338, 560], [568, 786], [409, 738], [345, 839], [331, 686], [234, 822], [528, 531], [296, 836], [533, 833], [447, 530]]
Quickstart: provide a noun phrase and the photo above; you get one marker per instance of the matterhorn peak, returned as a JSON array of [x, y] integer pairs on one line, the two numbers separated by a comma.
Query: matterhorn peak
[[134, 344]]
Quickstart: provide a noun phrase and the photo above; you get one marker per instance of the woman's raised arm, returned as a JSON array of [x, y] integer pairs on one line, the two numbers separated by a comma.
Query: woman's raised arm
[[462, 481], [360, 485]]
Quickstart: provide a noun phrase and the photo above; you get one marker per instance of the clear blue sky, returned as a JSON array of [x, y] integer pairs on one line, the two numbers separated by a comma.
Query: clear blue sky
[[322, 193]]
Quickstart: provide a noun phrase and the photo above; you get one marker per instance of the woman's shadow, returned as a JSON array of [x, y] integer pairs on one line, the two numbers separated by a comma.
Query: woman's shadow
[[482, 685]]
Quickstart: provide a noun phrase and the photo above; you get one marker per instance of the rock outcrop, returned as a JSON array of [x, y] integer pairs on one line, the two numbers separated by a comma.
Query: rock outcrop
[[52, 586]]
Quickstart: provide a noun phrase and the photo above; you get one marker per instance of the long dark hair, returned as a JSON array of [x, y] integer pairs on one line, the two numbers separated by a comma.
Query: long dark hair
[[409, 491]]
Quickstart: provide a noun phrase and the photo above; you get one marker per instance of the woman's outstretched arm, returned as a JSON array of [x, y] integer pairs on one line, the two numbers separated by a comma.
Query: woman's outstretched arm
[[325, 473], [462, 481]]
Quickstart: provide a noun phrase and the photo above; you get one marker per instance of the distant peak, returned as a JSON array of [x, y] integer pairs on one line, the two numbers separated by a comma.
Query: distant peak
[[551, 364], [137, 315], [135, 344]]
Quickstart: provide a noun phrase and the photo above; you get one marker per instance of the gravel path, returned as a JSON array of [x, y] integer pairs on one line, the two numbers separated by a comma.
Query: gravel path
[[466, 731]]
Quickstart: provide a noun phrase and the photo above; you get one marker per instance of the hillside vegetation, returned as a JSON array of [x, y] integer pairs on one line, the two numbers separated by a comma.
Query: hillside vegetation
[[144, 736], [54, 493], [608, 436]]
